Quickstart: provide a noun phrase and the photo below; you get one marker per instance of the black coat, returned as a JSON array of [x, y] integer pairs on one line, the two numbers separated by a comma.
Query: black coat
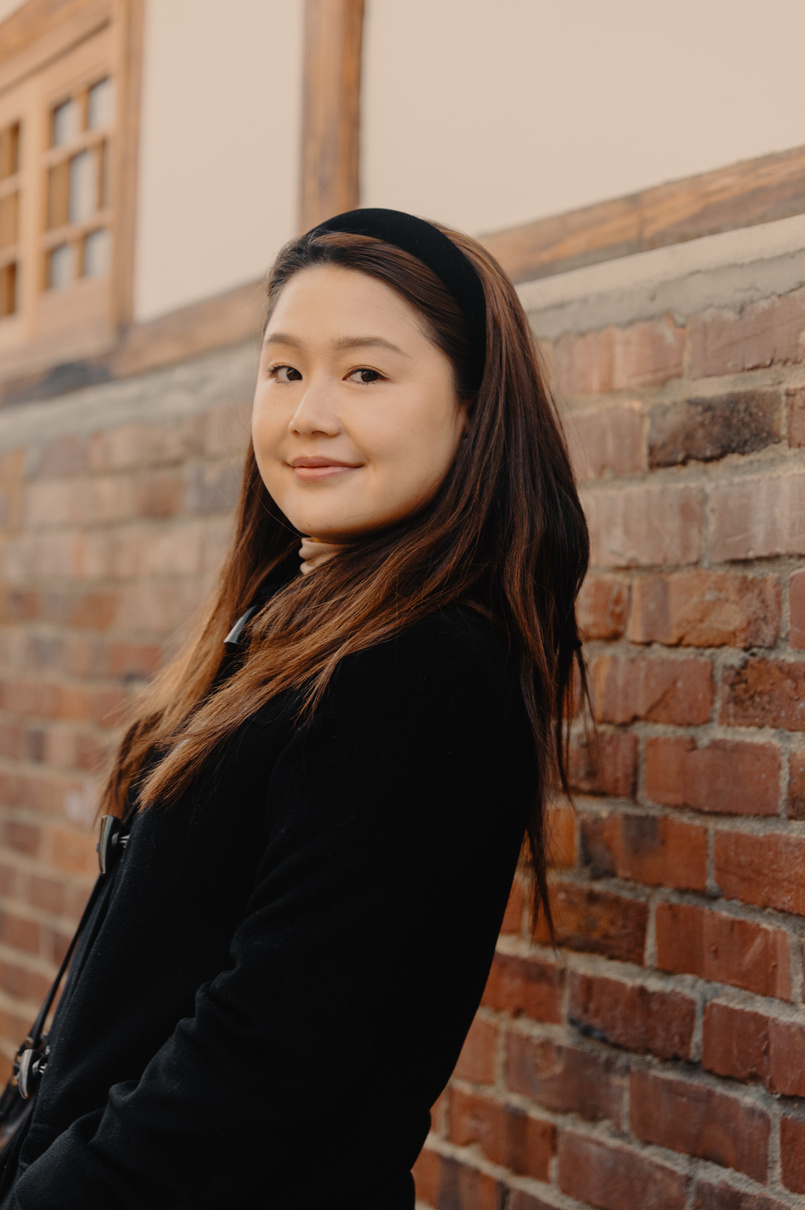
[[278, 977]]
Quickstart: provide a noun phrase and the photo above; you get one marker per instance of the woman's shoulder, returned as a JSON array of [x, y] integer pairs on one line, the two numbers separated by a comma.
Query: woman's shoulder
[[452, 657]]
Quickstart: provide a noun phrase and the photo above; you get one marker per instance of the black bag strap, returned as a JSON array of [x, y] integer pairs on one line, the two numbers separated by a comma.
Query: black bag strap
[[28, 1064]]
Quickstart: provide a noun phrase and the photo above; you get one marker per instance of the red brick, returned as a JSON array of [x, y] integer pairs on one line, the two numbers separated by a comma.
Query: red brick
[[564, 1079], [644, 525], [764, 334], [765, 693], [611, 1177], [603, 607], [631, 1016], [755, 518], [584, 364], [796, 416], [796, 786], [22, 837], [725, 1197], [723, 949], [478, 1058], [699, 1121], [646, 848], [447, 1184], [66, 456], [506, 1135], [750, 1046], [658, 690], [796, 606], [725, 777], [792, 1151], [47, 893], [22, 983], [20, 933], [520, 1200], [525, 986], [132, 660], [767, 869], [606, 439], [707, 429], [604, 762], [706, 609], [560, 836], [515, 908], [597, 922]]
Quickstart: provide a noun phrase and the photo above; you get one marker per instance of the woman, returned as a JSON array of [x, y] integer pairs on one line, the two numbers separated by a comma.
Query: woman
[[324, 797]]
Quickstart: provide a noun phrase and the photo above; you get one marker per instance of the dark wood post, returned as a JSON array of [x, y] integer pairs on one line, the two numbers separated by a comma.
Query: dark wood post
[[331, 109]]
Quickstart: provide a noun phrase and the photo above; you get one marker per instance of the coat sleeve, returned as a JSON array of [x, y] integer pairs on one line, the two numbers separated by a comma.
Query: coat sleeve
[[382, 815]]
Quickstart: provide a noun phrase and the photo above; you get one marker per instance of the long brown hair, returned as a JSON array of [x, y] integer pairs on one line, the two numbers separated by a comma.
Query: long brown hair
[[505, 534]]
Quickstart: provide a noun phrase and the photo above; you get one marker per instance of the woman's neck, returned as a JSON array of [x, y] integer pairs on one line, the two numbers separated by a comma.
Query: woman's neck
[[313, 552]]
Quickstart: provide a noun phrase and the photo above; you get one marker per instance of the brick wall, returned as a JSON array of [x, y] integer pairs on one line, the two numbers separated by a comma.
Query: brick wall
[[657, 1060], [114, 505]]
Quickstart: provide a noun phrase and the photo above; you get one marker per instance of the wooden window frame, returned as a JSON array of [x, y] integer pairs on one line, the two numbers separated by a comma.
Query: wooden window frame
[[52, 49]]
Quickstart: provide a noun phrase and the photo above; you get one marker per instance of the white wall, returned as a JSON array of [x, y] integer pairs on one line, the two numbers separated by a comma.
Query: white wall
[[7, 7], [219, 146], [488, 113]]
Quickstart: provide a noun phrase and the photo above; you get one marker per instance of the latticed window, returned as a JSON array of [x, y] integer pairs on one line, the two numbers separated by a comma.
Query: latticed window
[[77, 239], [66, 182], [9, 216]]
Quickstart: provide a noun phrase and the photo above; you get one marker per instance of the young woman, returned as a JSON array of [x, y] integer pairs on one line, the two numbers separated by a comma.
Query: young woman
[[322, 801]]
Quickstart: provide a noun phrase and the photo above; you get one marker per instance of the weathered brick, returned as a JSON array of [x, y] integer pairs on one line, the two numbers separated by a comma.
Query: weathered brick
[[597, 922], [796, 608], [747, 1045], [768, 870], [515, 908], [764, 333], [525, 986], [520, 1200], [707, 429], [584, 364], [68, 455], [727, 777], [796, 786], [612, 1177], [658, 690], [22, 983], [447, 1184], [604, 762], [564, 1079], [478, 1058], [603, 607], [765, 693], [506, 1135], [722, 1196], [560, 836], [608, 439], [792, 1152], [722, 949], [632, 1016], [646, 354], [646, 848], [757, 517], [796, 416], [706, 609], [645, 526], [697, 1120]]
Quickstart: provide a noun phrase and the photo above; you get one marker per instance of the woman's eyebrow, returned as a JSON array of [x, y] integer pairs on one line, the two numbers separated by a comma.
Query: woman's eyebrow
[[343, 342]]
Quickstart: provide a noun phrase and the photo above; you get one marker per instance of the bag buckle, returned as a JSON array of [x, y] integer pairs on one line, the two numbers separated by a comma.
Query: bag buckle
[[29, 1067], [111, 841]]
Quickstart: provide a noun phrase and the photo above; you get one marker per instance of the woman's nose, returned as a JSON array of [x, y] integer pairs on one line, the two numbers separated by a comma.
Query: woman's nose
[[316, 411]]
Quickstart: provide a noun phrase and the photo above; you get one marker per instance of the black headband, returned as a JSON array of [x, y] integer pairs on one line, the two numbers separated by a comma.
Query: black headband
[[436, 250]]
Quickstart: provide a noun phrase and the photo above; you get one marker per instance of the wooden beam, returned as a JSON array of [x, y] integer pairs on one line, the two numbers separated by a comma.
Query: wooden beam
[[743, 195], [331, 109], [129, 29]]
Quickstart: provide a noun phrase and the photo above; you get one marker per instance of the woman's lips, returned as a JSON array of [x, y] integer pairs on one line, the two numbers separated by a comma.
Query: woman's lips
[[312, 469]]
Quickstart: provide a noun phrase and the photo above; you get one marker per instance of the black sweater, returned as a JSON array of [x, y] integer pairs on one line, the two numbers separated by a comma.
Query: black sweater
[[280, 972]]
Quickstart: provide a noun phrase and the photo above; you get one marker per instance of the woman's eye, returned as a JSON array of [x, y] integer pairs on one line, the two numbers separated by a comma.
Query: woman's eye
[[284, 374], [365, 376]]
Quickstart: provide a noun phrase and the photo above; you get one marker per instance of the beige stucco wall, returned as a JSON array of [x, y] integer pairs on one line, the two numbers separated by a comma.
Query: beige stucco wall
[[219, 147], [487, 113]]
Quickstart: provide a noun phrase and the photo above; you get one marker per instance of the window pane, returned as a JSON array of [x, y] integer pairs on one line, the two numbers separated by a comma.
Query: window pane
[[61, 266], [8, 220], [65, 123], [100, 105], [8, 290], [96, 254], [83, 186]]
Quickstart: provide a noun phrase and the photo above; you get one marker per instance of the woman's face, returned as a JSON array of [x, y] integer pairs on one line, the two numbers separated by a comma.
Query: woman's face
[[356, 419]]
